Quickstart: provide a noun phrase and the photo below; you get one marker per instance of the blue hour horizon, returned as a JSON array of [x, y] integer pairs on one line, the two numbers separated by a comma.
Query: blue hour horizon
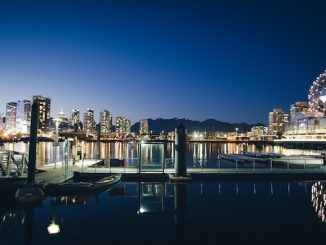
[[230, 61]]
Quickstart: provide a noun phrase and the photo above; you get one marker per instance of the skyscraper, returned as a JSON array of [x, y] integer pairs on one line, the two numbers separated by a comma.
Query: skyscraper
[[23, 117], [143, 126], [127, 126], [75, 116], [123, 125], [11, 114], [89, 124], [277, 120], [2, 121], [44, 104], [105, 122], [119, 125]]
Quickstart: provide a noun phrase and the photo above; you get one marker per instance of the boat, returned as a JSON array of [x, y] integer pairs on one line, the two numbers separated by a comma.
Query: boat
[[30, 194], [262, 155], [107, 181], [81, 188]]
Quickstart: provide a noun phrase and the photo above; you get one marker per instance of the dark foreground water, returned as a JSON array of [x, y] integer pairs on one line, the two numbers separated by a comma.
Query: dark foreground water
[[164, 213]]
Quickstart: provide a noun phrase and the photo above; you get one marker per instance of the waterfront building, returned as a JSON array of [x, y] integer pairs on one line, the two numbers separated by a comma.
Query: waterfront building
[[105, 122], [75, 120], [44, 104], [23, 116], [297, 107], [123, 126], [143, 126], [11, 115], [89, 124], [75, 116], [309, 123], [2, 121], [259, 131], [119, 125], [127, 126], [277, 121]]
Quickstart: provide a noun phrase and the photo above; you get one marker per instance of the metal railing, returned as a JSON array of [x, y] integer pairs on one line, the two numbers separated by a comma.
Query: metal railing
[[131, 165], [13, 163]]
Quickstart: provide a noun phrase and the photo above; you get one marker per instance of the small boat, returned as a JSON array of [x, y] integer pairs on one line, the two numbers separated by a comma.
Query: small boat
[[81, 188], [30, 194], [107, 181], [262, 155]]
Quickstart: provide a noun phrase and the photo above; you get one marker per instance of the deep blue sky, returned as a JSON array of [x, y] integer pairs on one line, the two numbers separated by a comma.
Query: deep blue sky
[[229, 60]]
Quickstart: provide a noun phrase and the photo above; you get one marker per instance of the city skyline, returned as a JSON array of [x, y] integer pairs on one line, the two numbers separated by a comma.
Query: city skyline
[[231, 61]]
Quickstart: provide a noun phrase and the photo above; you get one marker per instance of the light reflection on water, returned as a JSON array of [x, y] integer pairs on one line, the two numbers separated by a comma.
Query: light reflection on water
[[152, 212], [198, 154]]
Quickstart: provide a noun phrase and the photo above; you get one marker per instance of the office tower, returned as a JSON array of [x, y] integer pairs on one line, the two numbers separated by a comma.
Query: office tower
[[105, 122], [11, 114], [143, 126], [127, 126], [123, 125], [44, 104], [2, 121], [75, 116], [276, 121], [23, 116], [119, 125], [89, 124]]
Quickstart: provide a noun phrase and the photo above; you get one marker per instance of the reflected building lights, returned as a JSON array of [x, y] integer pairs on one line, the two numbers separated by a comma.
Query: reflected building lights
[[318, 199]]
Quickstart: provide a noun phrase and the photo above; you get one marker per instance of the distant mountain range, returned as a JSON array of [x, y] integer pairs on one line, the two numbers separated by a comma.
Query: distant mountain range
[[212, 125]]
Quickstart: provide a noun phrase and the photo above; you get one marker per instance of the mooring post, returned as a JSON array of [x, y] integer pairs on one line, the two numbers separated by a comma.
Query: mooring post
[[32, 144], [180, 163]]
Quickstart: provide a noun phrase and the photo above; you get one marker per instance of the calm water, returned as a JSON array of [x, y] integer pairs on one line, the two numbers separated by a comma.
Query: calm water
[[198, 154], [163, 213]]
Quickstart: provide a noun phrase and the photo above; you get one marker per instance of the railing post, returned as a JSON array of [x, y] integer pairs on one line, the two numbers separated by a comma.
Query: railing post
[[288, 165], [304, 166], [236, 166], [254, 165], [271, 164]]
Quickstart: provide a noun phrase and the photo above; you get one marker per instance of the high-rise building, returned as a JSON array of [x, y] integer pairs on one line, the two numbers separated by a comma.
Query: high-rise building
[[119, 125], [23, 117], [105, 122], [276, 121], [75, 116], [89, 124], [44, 104], [11, 115], [123, 125], [127, 126], [298, 107], [2, 122], [143, 126]]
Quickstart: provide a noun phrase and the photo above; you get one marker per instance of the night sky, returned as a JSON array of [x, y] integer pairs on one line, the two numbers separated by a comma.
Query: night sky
[[230, 60]]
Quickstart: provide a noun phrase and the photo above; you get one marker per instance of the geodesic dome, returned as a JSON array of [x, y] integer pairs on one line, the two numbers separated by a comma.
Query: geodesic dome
[[317, 94]]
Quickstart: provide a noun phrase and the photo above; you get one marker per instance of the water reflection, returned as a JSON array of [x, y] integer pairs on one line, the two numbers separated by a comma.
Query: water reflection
[[178, 206], [318, 199], [198, 154]]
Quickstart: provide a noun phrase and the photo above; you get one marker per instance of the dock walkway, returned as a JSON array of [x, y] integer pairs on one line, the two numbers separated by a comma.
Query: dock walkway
[[58, 172]]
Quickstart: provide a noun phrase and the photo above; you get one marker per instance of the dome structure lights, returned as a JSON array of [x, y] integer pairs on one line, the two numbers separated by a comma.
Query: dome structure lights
[[317, 94]]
